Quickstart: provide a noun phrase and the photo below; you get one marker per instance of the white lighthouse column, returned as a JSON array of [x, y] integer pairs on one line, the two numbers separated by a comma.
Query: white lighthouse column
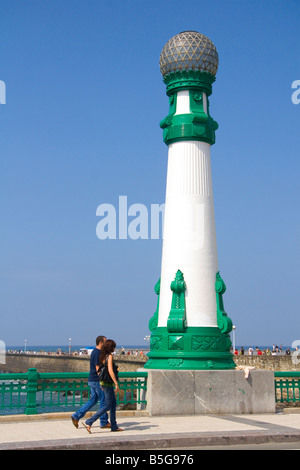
[[189, 241]]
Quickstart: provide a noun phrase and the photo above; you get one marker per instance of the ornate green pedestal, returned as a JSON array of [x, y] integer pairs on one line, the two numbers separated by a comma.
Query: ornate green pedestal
[[190, 348]]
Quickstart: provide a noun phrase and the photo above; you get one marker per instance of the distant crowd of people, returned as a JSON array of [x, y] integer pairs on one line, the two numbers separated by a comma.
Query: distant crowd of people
[[129, 352], [276, 350]]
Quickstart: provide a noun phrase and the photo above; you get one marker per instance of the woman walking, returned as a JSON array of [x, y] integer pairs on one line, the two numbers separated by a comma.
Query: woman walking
[[108, 375]]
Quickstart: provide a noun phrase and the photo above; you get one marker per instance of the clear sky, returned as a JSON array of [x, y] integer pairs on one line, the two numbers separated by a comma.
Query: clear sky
[[80, 127]]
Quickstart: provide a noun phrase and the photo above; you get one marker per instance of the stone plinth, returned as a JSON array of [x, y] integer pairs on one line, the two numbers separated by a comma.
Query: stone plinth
[[172, 392]]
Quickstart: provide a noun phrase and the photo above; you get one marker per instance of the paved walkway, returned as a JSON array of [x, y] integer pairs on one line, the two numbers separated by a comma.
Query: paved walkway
[[56, 431]]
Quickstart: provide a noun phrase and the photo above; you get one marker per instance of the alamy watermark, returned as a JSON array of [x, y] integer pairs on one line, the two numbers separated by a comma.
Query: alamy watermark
[[296, 94], [132, 221], [296, 353], [2, 352], [2, 92], [136, 221]]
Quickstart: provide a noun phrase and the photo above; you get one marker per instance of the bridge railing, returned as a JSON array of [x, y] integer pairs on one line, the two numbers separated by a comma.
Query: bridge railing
[[33, 392]]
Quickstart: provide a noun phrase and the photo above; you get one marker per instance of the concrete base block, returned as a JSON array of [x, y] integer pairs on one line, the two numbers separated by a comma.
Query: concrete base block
[[189, 392]]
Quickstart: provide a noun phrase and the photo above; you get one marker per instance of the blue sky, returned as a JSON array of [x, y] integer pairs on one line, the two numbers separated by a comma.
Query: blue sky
[[80, 127]]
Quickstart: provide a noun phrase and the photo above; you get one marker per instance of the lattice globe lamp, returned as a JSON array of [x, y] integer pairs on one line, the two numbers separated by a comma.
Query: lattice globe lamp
[[189, 50]]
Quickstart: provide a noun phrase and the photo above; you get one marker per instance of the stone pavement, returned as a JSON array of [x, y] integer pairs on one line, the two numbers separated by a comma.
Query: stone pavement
[[55, 431]]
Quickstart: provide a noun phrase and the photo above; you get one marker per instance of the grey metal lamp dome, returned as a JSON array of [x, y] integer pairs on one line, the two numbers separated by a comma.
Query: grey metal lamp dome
[[189, 50]]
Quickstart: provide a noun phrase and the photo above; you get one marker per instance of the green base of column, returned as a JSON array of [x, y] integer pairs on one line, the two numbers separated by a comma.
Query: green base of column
[[197, 348], [30, 412]]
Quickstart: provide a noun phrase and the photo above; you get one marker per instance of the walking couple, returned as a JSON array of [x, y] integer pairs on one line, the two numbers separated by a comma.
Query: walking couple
[[103, 390]]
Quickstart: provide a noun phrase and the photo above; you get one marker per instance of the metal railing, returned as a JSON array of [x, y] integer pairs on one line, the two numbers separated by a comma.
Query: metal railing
[[287, 387], [33, 392]]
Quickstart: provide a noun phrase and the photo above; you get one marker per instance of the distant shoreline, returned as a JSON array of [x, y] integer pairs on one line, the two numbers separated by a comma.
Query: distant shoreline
[[130, 350], [76, 350]]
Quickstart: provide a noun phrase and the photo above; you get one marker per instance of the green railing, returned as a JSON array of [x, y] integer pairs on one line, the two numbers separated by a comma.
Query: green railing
[[34, 392], [287, 387]]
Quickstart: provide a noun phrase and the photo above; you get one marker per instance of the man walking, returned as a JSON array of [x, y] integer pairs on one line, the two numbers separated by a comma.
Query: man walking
[[96, 392]]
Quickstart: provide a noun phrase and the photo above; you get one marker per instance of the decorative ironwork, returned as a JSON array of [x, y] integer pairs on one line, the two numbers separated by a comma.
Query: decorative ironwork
[[177, 319]]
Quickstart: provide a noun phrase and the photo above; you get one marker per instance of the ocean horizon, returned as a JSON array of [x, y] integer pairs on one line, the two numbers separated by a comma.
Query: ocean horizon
[[65, 347]]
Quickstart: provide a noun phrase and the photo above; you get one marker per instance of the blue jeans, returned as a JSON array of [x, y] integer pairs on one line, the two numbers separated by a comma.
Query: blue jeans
[[110, 405], [96, 395]]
